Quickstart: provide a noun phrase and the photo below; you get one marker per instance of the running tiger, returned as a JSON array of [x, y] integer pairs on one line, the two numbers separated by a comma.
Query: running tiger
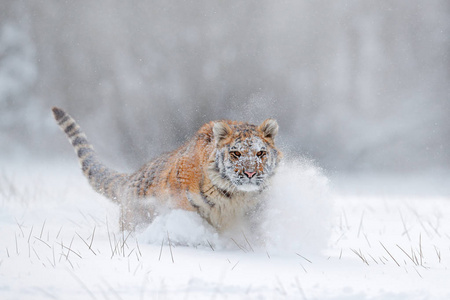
[[219, 173]]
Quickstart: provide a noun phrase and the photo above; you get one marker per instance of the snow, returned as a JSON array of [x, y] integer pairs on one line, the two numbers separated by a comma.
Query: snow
[[366, 237]]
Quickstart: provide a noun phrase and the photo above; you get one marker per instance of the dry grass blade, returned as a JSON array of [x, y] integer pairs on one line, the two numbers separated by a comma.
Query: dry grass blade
[[303, 268], [212, 248], [59, 232], [345, 219], [373, 259], [414, 256], [125, 242], [248, 243], [70, 250], [418, 273], [68, 260], [42, 242], [51, 263], [139, 249], [92, 240], [131, 252], [160, 251], [36, 254], [390, 254], [116, 244], [339, 238], [361, 256], [70, 247], [367, 240], [86, 243], [17, 246], [438, 253], [170, 247], [410, 257], [420, 250], [240, 246], [29, 236], [304, 258], [404, 226], [109, 237], [20, 226], [435, 228], [54, 259], [42, 229], [361, 223], [119, 244]]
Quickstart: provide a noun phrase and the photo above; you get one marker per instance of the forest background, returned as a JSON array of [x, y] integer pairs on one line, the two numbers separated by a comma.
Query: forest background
[[355, 85]]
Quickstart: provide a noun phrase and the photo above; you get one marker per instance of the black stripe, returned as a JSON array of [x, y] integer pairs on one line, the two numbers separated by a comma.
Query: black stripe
[[216, 166], [108, 180], [92, 171], [177, 176], [69, 128], [206, 200], [147, 174], [206, 192], [63, 120], [76, 132], [203, 195], [79, 141], [86, 164], [225, 193], [84, 151], [100, 178], [149, 179], [168, 179], [191, 201], [148, 183]]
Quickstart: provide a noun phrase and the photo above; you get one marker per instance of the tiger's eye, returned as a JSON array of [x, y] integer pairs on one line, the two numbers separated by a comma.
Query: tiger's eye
[[261, 153], [236, 154]]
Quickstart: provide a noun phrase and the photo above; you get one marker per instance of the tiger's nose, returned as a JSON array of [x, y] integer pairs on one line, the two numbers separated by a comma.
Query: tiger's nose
[[249, 174]]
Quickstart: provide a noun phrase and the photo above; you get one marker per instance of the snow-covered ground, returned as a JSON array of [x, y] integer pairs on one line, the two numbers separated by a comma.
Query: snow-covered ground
[[358, 237]]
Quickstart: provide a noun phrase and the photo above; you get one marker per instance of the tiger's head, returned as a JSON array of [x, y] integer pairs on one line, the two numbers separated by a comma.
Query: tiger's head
[[245, 156]]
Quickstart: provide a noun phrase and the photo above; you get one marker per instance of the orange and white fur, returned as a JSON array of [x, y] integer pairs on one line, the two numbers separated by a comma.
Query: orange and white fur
[[219, 173]]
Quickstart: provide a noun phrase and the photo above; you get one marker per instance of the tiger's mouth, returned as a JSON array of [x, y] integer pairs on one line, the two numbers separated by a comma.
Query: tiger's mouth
[[249, 182]]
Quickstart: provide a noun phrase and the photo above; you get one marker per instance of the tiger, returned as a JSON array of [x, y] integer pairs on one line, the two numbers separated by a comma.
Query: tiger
[[220, 173]]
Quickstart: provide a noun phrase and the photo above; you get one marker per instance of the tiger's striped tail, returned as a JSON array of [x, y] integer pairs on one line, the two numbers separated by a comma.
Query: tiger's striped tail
[[104, 180]]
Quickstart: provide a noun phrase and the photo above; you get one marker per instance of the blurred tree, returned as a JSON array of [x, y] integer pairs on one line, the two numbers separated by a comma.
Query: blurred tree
[[18, 76]]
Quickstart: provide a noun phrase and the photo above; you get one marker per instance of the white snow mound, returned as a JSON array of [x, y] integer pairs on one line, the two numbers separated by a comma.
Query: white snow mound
[[296, 217]]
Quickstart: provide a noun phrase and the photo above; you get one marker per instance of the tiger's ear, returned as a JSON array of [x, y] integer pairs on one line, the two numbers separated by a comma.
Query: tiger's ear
[[221, 130], [269, 128]]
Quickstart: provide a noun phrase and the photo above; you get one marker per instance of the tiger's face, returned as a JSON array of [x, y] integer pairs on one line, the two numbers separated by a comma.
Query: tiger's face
[[246, 156]]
